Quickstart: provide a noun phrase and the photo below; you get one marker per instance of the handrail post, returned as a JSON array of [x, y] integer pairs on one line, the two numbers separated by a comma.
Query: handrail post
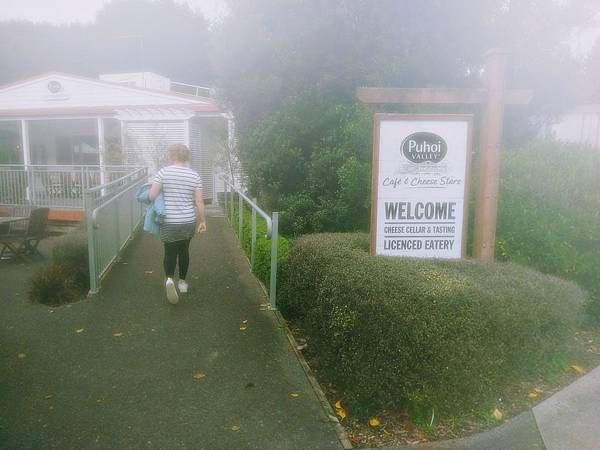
[[274, 242], [241, 218], [91, 235], [232, 207], [253, 244], [117, 230], [225, 190]]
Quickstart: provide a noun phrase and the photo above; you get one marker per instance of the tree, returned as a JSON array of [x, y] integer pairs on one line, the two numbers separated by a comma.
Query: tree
[[127, 36], [266, 51], [311, 161]]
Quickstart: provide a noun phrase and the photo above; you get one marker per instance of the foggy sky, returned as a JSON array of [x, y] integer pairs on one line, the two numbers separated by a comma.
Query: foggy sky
[[67, 11]]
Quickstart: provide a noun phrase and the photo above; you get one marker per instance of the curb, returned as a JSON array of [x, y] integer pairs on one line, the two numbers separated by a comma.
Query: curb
[[341, 432]]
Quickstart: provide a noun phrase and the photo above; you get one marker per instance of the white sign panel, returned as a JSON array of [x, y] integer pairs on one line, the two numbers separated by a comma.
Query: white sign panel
[[420, 185]]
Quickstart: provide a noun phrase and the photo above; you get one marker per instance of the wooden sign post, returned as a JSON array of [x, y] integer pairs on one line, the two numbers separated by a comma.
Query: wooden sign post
[[494, 96]]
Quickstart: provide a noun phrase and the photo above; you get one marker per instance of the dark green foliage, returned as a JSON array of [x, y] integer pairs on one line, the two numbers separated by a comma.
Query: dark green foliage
[[262, 255], [71, 253], [53, 286], [422, 334], [67, 278], [311, 162], [549, 213]]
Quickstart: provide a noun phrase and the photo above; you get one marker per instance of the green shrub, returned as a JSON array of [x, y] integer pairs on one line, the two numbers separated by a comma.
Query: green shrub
[[549, 213], [53, 286], [262, 252], [422, 334], [67, 278], [71, 253]]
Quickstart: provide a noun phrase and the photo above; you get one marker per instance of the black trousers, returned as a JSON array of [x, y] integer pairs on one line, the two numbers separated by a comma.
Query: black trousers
[[177, 252]]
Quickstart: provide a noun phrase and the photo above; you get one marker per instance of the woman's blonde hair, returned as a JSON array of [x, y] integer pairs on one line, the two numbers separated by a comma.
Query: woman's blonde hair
[[178, 152]]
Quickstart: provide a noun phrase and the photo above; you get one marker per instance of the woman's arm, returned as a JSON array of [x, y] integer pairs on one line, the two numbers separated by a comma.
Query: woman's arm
[[154, 191], [200, 205]]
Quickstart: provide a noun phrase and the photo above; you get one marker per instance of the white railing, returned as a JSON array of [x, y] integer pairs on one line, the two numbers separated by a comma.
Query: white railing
[[53, 186], [191, 89], [272, 222], [113, 215]]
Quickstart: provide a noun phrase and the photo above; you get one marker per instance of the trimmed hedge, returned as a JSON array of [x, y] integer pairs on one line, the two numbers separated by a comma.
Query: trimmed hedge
[[418, 335]]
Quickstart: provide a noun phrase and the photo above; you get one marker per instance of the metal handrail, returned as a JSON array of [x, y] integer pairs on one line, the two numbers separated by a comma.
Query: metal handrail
[[254, 207], [272, 233], [119, 223], [115, 197]]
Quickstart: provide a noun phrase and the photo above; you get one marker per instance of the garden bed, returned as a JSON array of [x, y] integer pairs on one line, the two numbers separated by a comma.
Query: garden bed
[[414, 350]]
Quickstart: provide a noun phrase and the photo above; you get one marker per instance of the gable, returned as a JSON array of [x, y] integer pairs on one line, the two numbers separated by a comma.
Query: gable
[[62, 91]]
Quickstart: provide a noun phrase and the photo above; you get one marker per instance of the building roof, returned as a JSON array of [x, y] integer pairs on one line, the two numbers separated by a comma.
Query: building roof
[[60, 94]]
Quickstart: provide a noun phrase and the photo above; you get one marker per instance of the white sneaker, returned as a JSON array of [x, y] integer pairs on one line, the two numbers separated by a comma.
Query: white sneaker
[[183, 286], [171, 292]]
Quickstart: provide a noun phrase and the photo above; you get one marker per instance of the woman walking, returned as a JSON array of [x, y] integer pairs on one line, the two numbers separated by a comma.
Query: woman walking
[[184, 215]]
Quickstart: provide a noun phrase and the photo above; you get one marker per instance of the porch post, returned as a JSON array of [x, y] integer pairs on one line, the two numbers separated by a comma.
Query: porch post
[[186, 132], [230, 143], [101, 150], [26, 158]]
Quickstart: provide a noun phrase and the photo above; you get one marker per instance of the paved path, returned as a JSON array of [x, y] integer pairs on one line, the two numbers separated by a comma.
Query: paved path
[[94, 390]]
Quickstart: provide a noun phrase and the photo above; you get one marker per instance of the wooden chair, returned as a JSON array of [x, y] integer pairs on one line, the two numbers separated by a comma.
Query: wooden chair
[[23, 243]]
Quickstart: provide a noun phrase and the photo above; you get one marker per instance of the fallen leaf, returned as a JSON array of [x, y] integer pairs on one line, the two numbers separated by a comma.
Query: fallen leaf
[[48, 397], [532, 395], [538, 390], [374, 422], [408, 425], [235, 428], [578, 369], [80, 330], [148, 272], [294, 394], [199, 376], [119, 334], [244, 321], [498, 415], [338, 404], [125, 263], [243, 327], [262, 307], [21, 355], [153, 330], [51, 311], [341, 412]]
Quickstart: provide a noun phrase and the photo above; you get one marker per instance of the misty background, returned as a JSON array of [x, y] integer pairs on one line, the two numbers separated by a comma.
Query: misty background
[[261, 53]]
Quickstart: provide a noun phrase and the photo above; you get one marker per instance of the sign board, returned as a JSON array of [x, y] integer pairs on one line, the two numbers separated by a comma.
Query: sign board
[[420, 185]]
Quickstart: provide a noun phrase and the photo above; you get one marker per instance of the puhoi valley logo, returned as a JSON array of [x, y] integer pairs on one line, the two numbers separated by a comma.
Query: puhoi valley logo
[[55, 87], [424, 147]]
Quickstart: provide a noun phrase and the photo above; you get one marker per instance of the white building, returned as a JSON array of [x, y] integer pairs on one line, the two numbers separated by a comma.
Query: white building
[[58, 119]]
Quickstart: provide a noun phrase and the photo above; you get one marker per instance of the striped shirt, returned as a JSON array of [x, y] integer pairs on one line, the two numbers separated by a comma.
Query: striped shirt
[[179, 185]]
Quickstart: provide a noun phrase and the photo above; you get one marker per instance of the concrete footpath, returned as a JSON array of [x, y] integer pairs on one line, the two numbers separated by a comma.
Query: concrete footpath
[[126, 370]]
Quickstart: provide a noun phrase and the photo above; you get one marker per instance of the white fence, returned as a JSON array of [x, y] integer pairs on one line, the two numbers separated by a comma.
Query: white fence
[[113, 215], [53, 186]]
